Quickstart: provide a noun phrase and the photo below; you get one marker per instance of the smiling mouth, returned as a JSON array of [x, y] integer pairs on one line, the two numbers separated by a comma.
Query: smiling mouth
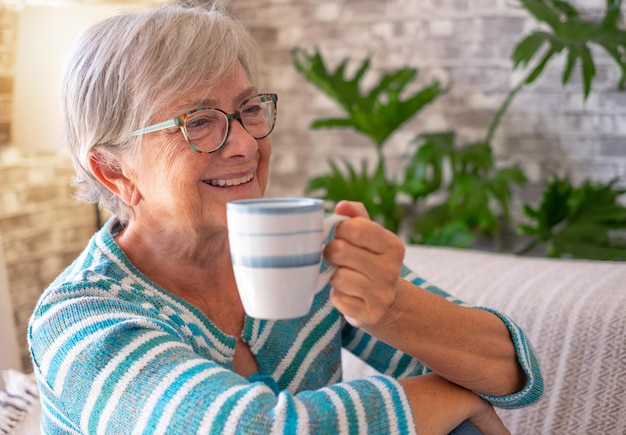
[[227, 182]]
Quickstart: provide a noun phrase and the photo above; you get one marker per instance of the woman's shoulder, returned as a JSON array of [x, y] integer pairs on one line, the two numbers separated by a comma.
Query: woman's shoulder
[[96, 282], [94, 268]]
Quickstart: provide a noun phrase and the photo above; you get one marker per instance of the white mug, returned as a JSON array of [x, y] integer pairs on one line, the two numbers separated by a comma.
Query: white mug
[[276, 251]]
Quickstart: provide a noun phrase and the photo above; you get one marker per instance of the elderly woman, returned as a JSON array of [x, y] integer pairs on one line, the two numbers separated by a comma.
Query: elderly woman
[[145, 331]]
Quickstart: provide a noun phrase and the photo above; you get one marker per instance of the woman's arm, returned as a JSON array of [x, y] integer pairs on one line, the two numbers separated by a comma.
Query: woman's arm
[[439, 406], [109, 365], [470, 347]]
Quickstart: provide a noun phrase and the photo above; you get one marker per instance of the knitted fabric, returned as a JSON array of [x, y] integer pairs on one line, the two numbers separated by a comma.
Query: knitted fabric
[[573, 311], [18, 400], [115, 353]]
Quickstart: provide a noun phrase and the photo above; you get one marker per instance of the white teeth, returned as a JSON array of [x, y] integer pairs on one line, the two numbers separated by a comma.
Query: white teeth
[[230, 181]]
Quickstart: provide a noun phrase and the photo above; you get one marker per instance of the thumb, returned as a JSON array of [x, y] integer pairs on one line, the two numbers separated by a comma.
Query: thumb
[[351, 209]]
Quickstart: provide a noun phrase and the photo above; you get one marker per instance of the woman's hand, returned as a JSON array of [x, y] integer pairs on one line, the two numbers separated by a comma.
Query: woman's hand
[[368, 259], [467, 346], [488, 422], [439, 406]]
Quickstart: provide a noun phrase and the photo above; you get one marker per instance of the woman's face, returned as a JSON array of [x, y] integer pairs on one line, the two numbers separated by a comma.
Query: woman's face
[[177, 186]]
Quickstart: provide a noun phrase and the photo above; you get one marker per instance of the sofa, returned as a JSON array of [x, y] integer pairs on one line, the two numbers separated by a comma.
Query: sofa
[[574, 312]]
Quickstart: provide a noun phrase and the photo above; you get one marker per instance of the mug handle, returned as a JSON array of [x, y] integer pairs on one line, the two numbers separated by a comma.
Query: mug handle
[[330, 222]]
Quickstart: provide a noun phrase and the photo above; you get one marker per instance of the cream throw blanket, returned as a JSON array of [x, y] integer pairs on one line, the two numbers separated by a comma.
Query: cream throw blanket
[[574, 313]]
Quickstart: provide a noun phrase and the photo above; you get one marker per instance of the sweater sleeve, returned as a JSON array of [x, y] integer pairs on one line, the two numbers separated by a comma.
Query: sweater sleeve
[[397, 364], [105, 365]]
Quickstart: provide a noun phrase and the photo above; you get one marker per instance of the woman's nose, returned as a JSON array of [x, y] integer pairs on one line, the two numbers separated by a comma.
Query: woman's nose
[[239, 141]]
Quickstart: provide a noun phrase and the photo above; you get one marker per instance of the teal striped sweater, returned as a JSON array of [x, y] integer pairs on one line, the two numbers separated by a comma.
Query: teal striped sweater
[[114, 353]]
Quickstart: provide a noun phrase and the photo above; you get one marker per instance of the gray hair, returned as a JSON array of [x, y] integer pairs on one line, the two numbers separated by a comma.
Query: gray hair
[[127, 67]]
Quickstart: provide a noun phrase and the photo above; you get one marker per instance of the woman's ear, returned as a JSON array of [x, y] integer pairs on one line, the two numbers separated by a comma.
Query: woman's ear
[[111, 173]]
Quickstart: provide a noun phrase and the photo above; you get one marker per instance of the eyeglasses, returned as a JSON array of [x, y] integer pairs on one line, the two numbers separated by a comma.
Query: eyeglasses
[[206, 129]]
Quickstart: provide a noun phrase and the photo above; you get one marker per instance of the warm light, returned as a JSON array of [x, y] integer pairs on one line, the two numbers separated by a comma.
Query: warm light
[[44, 38]]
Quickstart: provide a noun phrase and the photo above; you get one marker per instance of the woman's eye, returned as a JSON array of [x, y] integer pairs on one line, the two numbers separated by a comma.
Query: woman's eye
[[251, 109], [203, 121]]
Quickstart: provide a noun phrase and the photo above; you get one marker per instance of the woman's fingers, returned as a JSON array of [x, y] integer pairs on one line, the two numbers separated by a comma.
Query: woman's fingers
[[369, 235], [355, 295], [488, 422], [351, 209], [375, 267], [368, 259]]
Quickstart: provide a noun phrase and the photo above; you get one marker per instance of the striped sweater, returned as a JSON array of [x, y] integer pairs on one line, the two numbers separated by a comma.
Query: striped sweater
[[114, 353]]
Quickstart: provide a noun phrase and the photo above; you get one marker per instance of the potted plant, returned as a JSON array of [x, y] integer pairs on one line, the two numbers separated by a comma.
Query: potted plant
[[469, 206]]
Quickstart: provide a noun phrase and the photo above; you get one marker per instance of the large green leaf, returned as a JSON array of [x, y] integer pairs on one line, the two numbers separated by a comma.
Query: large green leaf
[[474, 189], [424, 172], [378, 195], [528, 47], [500, 185], [334, 85], [474, 158], [553, 209], [348, 184], [469, 201], [543, 11], [575, 35], [454, 234], [377, 113], [585, 222], [436, 227]]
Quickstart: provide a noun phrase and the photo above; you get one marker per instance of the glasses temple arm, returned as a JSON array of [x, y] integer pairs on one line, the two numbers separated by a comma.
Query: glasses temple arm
[[155, 127]]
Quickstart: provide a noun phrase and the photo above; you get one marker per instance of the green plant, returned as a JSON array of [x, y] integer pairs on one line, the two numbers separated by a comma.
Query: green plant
[[573, 34], [583, 222], [470, 204], [376, 114], [475, 184], [477, 194]]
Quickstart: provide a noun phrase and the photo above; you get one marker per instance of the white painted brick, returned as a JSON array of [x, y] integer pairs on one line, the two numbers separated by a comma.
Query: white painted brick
[[434, 122], [384, 30], [610, 146], [620, 127], [328, 11], [438, 28]]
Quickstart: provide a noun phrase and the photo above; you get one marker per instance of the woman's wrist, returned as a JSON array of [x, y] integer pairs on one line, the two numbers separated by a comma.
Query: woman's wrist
[[439, 405]]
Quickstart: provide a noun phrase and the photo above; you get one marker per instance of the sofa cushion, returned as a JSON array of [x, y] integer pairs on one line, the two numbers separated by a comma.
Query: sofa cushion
[[573, 311], [19, 404]]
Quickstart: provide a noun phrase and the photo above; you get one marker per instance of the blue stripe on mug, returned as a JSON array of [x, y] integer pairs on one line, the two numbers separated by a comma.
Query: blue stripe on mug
[[276, 206], [277, 260], [285, 234]]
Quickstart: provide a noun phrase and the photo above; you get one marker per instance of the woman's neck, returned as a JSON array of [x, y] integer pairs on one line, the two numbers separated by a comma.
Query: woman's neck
[[196, 268]]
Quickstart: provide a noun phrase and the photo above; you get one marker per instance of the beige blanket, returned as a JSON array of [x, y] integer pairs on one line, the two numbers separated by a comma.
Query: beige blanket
[[575, 315]]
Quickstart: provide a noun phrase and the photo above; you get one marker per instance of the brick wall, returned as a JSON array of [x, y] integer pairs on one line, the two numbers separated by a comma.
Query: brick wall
[[8, 17], [42, 227], [464, 43]]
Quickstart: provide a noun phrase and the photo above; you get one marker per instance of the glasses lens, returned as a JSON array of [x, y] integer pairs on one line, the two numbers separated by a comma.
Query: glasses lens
[[258, 116], [206, 129]]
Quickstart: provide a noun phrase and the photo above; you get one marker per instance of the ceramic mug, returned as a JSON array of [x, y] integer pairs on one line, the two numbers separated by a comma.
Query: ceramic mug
[[276, 250]]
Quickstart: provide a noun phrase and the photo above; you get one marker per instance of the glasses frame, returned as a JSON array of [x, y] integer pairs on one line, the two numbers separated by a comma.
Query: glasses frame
[[180, 122]]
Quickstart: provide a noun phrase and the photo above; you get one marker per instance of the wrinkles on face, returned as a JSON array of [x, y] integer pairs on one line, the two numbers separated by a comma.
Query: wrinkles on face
[[161, 163], [185, 192]]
